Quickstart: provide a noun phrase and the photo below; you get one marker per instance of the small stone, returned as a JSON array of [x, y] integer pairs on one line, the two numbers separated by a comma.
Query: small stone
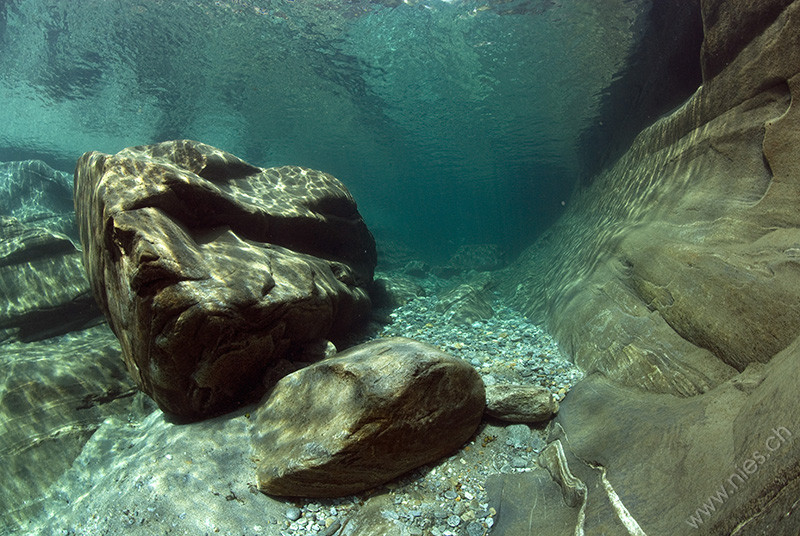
[[519, 462], [332, 529], [453, 520], [518, 435], [293, 513], [519, 403], [450, 494], [474, 529]]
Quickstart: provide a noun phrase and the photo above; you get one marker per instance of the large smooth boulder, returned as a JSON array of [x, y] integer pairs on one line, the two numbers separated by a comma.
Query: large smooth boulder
[[210, 270], [364, 417]]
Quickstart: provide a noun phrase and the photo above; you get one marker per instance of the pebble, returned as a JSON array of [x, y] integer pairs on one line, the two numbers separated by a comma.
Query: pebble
[[474, 529], [332, 529], [293, 513], [506, 348], [519, 462], [518, 435], [453, 520]]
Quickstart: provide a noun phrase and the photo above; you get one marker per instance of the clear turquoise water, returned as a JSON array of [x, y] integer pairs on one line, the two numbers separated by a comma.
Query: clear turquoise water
[[452, 122]]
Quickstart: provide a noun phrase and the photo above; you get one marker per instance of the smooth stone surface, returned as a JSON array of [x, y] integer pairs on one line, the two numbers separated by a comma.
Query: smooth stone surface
[[149, 476], [364, 417], [678, 266], [43, 287], [542, 512], [394, 291], [724, 462], [675, 276], [468, 302], [210, 270], [34, 193], [520, 403], [54, 395]]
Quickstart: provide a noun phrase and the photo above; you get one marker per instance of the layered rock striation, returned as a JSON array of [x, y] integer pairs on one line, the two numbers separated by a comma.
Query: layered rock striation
[[675, 278], [211, 270], [679, 265]]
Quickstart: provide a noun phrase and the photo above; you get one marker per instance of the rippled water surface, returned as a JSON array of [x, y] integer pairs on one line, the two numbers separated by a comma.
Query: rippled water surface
[[451, 121]]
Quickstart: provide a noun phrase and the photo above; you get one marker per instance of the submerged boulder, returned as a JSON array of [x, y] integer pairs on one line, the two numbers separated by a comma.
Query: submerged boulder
[[520, 403], [469, 302], [362, 418], [43, 287], [209, 269]]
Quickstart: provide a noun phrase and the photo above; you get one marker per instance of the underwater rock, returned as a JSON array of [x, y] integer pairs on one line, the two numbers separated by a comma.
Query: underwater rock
[[147, 475], [54, 395], [674, 275], [394, 291], [517, 517], [393, 255], [364, 417], [36, 194], [417, 268], [520, 403], [468, 302], [43, 287], [210, 269], [667, 458], [678, 266]]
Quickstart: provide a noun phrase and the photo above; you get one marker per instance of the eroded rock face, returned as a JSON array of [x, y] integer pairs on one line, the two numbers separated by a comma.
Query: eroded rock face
[[676, 277], [364, 417], [210, 269], [469, 302], [43, 286], [678, 267]]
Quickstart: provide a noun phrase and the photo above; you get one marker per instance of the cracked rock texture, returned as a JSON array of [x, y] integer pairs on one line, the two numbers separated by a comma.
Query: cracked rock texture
[[211, 270]]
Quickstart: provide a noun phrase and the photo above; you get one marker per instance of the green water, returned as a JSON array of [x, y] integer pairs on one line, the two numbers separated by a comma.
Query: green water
[[451, 122]]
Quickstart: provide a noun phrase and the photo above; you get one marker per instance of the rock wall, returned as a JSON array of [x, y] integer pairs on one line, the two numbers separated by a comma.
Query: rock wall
[[679, 265], [673, 279]]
